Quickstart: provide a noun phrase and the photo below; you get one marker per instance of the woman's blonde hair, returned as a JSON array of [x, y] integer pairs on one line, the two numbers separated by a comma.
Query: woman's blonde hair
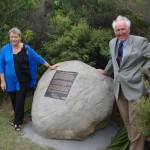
[[15, 30]]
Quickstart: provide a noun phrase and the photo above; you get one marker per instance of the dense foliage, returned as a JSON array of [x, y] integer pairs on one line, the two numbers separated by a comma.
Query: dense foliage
[[120, 142], [143, 107], [77, 41]]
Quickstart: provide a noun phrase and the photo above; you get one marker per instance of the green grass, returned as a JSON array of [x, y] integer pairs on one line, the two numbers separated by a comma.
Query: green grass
[[9, 138]]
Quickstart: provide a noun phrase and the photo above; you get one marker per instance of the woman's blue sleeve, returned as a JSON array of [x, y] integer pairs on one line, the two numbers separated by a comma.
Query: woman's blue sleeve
[[1, 62], [36, 57]]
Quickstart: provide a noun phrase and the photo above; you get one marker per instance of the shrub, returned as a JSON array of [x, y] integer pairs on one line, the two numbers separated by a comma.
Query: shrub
[[143, 123], [77, 41], [143, 108]]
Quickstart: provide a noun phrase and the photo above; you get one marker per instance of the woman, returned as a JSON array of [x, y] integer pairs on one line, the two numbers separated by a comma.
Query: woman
[[18, 68]]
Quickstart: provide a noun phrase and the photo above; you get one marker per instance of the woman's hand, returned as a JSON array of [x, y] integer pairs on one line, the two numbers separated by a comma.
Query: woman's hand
[[3, 86], [53, 67]]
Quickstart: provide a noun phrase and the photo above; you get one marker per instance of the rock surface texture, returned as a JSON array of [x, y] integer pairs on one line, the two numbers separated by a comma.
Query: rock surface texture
[[86, 108]]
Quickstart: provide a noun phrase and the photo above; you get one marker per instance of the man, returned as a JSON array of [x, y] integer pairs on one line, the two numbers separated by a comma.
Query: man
[[126, 62]]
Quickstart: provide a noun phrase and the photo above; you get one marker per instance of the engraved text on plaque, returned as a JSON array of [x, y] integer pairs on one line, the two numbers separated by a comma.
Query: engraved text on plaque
[[60, 84]]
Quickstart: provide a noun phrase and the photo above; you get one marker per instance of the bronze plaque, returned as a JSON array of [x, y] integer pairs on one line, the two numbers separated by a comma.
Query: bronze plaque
[[60, 84]]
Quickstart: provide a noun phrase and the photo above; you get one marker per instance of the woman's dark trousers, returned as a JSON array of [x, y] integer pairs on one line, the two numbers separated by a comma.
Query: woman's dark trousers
[[18, 100]]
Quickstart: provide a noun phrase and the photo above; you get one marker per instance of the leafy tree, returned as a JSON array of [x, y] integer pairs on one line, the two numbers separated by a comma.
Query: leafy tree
[[12, 12], [96, 12], [26, 15], [38, 20], [138, 11], [12, 15], [77, 41], [138, 7]]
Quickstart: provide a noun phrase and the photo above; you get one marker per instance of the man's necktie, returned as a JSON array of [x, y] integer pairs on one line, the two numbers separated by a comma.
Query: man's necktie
[[119, 54]]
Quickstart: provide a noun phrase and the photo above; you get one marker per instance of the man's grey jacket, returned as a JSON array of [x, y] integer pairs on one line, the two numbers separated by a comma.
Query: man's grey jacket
[[129, 76]]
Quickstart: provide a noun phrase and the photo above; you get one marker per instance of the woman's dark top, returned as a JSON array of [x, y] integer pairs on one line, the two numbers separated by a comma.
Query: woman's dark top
[[21, 63]]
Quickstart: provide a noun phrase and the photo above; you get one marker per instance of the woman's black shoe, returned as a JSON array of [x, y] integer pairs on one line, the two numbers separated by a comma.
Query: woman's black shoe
[[17, 127]]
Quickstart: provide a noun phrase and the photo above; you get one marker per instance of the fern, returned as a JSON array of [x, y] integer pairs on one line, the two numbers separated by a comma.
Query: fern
[[120, 142]]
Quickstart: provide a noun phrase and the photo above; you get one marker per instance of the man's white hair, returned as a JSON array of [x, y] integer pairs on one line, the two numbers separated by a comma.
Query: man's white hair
[[121, 18]]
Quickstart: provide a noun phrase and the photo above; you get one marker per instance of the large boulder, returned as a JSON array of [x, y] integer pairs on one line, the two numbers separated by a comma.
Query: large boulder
[[85, 109]]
